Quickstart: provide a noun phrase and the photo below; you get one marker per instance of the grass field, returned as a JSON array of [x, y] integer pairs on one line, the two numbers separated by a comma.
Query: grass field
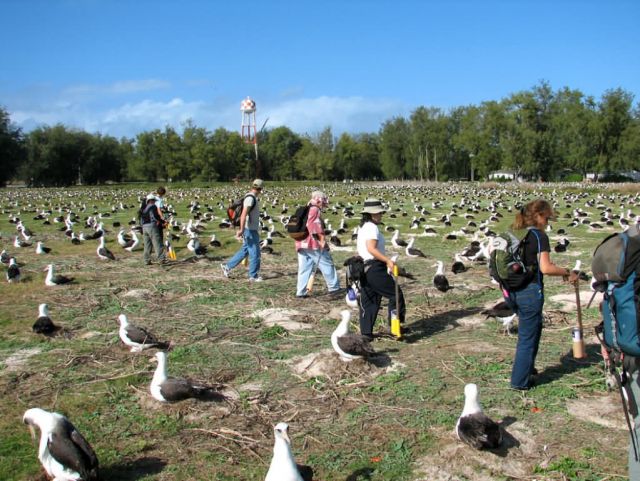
[[392, 420]]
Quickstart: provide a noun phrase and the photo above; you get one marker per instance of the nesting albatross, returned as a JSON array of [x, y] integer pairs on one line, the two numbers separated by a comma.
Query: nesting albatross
[[349, 345], [44, 324], [171, 389], [138, 338], [54, 279], [63, 452], [474, 427]]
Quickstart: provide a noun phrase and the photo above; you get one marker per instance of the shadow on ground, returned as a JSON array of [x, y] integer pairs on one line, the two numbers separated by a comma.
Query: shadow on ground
[[431, 325], [568, 364], [133, 470]]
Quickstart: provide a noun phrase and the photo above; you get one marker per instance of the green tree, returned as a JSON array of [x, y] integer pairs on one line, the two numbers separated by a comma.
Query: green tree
[[395, 136], [12, 147], [54, 156]]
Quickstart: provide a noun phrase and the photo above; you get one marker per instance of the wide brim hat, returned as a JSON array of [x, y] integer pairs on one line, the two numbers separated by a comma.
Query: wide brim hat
[[151, 197], [373, 206], [258, 184]]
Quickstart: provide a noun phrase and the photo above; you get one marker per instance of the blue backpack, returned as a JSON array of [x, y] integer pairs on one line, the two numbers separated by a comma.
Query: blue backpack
[[616, 269]]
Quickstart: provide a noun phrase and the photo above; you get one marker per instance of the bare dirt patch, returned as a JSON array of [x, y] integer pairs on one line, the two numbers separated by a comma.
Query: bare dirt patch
[[327, 363], [282, 317], [19, 358], [568, 301], [603, 410]]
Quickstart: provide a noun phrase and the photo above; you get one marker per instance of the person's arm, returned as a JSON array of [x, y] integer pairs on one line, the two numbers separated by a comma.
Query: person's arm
[[243, 220], [548, 268], [372, 248]]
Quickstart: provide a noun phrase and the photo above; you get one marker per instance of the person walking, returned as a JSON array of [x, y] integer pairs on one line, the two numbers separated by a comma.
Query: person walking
[[152, 222], [313, 250], [528, 301], [378, 281], [248, 233]]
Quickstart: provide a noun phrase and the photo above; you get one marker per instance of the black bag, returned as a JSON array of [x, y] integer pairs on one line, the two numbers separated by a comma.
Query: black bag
[[297, 225], [354, 270], [234, 211]]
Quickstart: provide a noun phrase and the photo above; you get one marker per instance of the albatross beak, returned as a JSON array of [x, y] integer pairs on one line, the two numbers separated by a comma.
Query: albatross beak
[[32, 430]]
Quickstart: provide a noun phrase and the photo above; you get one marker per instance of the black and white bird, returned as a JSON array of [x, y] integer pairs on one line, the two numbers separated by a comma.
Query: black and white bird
[[194, 246], [350, 345], [172, 389], [502, 313], [412, 251], [440, 281], [17, 242], [53, 279], [561, 245], [13, 272], [104, 253], [474, 427], [41, 249], [138, 338], [283, 465], [396, 241], [458, 266], [123, 239], [4, 256], [44, 324], [63, 452], [214, 242], [134, 242]]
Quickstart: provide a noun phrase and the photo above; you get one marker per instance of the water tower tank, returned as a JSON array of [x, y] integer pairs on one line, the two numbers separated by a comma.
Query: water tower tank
[[248, 105]]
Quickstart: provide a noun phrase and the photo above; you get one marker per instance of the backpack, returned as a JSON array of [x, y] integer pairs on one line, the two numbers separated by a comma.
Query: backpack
[[506, 264], [616, 270], [144, 214], [354, 274], [297, 225], [234, 211]]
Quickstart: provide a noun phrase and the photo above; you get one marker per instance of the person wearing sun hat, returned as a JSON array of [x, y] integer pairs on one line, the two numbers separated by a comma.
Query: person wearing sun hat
[[249, 233], [378, 281], [313, 250]]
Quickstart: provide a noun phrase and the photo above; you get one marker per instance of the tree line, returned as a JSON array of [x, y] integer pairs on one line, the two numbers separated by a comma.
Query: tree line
[[539, 133]]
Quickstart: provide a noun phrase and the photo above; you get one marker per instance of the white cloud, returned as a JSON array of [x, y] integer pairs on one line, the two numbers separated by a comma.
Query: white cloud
[[302, 115], [117, 88]]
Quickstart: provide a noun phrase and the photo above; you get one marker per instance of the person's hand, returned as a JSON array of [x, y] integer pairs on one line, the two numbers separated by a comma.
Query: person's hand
[[239, 234], [390, 265]]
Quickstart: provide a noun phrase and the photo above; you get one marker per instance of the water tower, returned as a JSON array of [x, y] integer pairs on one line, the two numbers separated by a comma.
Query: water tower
[[248, 129], [248, 109]]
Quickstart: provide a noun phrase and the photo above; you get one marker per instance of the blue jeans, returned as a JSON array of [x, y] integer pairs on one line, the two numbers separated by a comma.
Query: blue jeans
[[250, 247], [527, 303], [307, 260]]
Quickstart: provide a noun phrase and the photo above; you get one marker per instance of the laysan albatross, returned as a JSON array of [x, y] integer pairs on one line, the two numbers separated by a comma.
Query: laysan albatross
[[172, 389], [63, 452], [138, 338], [283, 466], [474, 427], [349, 345]]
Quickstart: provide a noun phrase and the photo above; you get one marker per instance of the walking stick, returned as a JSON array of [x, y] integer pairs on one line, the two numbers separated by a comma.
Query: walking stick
[[313, 274], [395, 318], [578, 341]]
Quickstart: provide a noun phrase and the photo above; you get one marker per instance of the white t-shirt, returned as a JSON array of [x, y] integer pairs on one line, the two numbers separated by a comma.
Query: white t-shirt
[[367, 232]]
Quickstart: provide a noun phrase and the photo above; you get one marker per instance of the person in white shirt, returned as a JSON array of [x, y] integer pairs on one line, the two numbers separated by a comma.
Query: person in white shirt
[[378, 281]]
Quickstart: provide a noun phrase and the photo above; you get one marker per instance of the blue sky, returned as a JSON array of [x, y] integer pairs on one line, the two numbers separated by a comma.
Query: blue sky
[[120, 67]]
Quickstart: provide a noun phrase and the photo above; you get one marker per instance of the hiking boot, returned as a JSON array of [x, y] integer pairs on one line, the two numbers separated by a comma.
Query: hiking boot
[[256, 279], [303, 296], [225, 270]]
